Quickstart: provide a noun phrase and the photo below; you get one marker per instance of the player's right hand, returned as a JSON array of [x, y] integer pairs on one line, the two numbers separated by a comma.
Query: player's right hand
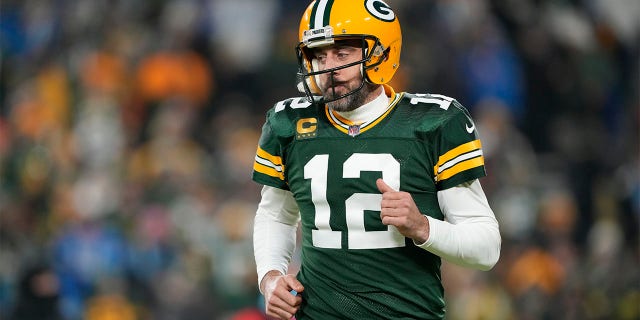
[[280, 303]]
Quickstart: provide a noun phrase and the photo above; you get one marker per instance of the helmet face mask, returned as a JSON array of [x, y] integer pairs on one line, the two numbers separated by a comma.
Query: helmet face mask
[[308, 76], [370, 25]]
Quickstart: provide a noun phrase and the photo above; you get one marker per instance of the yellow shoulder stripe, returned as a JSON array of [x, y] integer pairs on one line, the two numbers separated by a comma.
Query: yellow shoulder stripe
[[258, 167], [267, 156], [268, 164], [461, 149], [458, 159], [461, 166]]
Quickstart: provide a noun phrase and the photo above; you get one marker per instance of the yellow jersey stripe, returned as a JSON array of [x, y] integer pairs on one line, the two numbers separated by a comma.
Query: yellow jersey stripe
[[259, 167], [461, 166], [335, 124], [457, 151], [341, 118], [267, 156]]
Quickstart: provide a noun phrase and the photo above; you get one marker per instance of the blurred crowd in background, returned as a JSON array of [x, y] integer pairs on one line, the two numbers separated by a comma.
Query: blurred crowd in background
[[128, 131]]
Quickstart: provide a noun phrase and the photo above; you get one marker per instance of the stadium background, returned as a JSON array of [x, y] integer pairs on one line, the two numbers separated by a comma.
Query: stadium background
[[128, 130]]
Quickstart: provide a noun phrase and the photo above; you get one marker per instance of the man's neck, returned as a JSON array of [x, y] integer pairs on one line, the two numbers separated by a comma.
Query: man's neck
[[370, 110]]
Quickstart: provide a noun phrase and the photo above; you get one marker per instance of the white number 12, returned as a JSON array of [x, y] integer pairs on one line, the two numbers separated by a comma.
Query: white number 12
[[358, 238]]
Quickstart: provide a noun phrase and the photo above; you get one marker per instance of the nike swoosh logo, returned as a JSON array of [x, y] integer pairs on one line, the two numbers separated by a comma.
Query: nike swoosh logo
[[470, 129]]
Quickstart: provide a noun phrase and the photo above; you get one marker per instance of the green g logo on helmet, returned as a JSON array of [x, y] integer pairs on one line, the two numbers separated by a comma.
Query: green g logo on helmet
[[380, 10]]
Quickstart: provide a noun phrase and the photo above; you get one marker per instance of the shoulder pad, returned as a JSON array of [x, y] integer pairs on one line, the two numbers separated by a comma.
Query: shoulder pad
[[283, 115], [442, 101], [433, 111], [292, 103]]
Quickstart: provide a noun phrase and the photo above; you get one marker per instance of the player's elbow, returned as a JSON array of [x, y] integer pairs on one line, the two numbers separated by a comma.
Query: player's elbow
[[489, 263], [492, 252]]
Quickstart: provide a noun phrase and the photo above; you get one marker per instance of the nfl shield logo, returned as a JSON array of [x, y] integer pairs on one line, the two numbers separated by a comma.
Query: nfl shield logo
[[354, 130]]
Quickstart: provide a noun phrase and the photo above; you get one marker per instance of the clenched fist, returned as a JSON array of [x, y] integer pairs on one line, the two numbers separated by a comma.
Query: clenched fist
[[399, 210]]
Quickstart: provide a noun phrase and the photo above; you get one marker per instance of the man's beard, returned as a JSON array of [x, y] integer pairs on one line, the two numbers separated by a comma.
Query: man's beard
[[352, 101]]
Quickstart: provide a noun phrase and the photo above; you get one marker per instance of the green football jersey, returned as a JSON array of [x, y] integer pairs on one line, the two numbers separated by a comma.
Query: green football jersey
[[353, 266]]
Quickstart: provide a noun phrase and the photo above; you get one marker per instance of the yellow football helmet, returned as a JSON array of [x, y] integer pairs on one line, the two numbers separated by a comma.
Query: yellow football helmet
[[370, 21]]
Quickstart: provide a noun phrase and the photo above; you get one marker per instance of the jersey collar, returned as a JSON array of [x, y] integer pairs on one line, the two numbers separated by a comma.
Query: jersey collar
[[367, 116]]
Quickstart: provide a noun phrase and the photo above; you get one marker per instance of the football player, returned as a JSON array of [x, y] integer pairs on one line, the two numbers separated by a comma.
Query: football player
[[384, 184]]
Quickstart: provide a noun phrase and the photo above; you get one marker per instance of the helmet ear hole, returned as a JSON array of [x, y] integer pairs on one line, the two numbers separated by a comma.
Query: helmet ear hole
[[379, 50], [385, 55]]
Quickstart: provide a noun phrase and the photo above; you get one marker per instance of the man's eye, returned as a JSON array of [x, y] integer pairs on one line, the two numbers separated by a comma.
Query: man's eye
[[343, 54]]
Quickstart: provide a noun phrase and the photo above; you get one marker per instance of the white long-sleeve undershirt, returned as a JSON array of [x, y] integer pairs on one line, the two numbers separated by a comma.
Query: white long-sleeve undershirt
[[468, 236]]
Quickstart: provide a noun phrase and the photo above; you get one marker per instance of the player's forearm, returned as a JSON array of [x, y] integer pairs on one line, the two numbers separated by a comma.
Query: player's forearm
[[274, 231], [470, 234], [273, 243], [474, 243]]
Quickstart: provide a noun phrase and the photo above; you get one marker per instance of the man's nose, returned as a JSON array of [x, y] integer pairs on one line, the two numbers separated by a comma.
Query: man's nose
[[332, 61]]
